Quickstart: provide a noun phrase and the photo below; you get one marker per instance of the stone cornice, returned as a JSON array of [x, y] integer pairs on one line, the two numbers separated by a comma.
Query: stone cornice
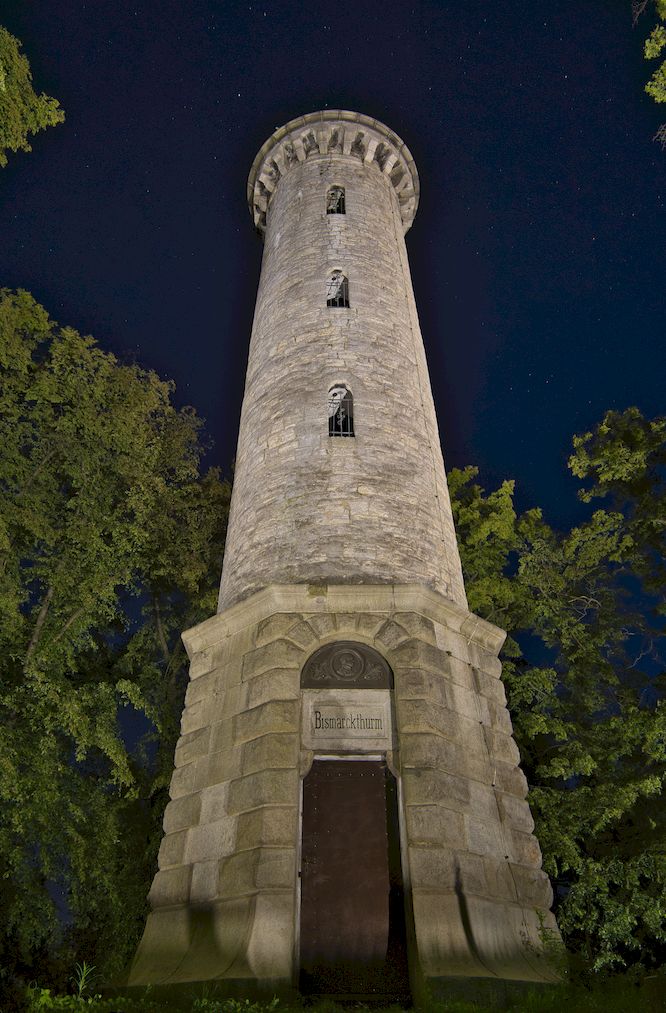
[[333, 132], [313, 599]]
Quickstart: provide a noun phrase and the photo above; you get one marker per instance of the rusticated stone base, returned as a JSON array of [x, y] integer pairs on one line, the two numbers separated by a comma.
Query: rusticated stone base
[[225, 899]]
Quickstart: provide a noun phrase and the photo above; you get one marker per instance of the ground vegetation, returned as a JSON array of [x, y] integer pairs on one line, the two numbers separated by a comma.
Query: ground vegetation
[[616, 996]]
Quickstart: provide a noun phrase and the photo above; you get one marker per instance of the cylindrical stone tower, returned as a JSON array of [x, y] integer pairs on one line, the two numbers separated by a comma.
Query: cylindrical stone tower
[[308, 508], [347, 812]]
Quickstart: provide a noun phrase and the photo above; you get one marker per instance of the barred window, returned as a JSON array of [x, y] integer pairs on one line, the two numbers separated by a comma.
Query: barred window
[[335, 201], [337, 290], [340, 411]]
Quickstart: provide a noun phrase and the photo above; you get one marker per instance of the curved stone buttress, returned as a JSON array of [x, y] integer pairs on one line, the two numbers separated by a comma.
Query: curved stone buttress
[[341, 539]]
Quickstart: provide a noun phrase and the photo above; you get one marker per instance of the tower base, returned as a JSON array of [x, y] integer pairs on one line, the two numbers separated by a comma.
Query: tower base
[[227, 903]]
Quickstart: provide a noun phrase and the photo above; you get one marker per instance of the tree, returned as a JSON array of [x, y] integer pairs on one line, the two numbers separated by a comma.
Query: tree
[[653, 47], [22, 111], [584, 610], [111, 543]]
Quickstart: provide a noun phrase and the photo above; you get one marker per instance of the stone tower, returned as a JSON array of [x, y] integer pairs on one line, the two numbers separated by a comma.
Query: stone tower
[[347, 809]]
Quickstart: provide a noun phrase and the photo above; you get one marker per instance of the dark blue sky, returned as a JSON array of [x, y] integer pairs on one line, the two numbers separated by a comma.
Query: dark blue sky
[[537, 251]]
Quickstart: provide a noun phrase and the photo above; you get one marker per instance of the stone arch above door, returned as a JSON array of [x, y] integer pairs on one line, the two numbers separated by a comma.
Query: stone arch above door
[[346, 664]]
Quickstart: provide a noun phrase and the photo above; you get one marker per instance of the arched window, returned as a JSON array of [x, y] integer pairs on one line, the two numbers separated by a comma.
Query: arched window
[[335, 200], [337, 291], [340, 411]]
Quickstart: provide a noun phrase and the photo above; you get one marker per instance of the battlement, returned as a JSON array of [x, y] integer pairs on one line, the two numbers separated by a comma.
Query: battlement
[[333, 133]]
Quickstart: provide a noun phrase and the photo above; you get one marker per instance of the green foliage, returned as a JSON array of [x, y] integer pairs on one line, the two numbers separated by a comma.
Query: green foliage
[[111, 544], [42, 1000], [653, 48], [615, 995], [624, 461], [656, 86], [83, 977], [655, 42], [584, 611], [22, 111]]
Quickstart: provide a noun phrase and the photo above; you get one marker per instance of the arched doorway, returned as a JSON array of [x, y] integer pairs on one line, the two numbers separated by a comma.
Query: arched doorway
[[352, 912]]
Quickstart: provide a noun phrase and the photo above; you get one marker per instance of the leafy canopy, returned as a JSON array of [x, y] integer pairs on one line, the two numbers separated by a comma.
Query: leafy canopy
[[22, 111], [111, 544], [585, 682], [654, 48]]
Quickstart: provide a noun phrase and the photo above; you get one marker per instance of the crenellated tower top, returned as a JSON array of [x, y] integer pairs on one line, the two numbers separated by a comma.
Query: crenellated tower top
[[333, 132]]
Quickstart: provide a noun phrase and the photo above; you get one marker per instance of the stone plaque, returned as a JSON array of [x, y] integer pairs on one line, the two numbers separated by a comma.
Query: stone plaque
[[360, 721], [354, 722], [346, 663]]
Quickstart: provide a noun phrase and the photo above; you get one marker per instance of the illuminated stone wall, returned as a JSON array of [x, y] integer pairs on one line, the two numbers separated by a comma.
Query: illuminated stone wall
[[307, 507]]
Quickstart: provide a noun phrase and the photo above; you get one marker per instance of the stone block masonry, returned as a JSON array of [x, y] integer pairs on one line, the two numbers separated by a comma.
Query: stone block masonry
[[228, 866], [305, 507], [345, 738]]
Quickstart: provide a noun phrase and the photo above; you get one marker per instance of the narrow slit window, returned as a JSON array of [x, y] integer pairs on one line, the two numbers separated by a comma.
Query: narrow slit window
[[340, 411], [335, 201], [337, 291]]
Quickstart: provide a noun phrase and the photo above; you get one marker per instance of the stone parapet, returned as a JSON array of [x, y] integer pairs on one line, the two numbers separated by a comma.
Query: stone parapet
[[327, 134]]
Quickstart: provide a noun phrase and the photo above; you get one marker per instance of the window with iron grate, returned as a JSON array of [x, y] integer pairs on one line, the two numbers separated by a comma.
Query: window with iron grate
[[335, 200], [340, 411], [337, 290]]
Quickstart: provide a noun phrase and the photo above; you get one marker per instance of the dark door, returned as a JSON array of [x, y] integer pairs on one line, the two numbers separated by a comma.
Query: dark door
[[352, 905]]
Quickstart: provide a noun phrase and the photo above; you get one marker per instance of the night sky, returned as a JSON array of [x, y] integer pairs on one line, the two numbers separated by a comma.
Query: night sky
[[537, 250]]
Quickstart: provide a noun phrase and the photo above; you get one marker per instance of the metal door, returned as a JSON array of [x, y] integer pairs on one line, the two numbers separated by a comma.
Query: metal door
[[352, 932]]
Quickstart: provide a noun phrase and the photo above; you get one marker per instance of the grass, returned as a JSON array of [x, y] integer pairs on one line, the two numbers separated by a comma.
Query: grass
[[611, 995]]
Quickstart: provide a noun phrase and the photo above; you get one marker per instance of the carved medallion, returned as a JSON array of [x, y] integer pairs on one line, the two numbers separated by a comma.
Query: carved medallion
[[346, 663]]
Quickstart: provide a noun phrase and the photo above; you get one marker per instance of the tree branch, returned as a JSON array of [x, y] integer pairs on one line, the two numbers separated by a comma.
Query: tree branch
[[637, 9], [72, 619], [31, 478], [159, 626], [36, 633]]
